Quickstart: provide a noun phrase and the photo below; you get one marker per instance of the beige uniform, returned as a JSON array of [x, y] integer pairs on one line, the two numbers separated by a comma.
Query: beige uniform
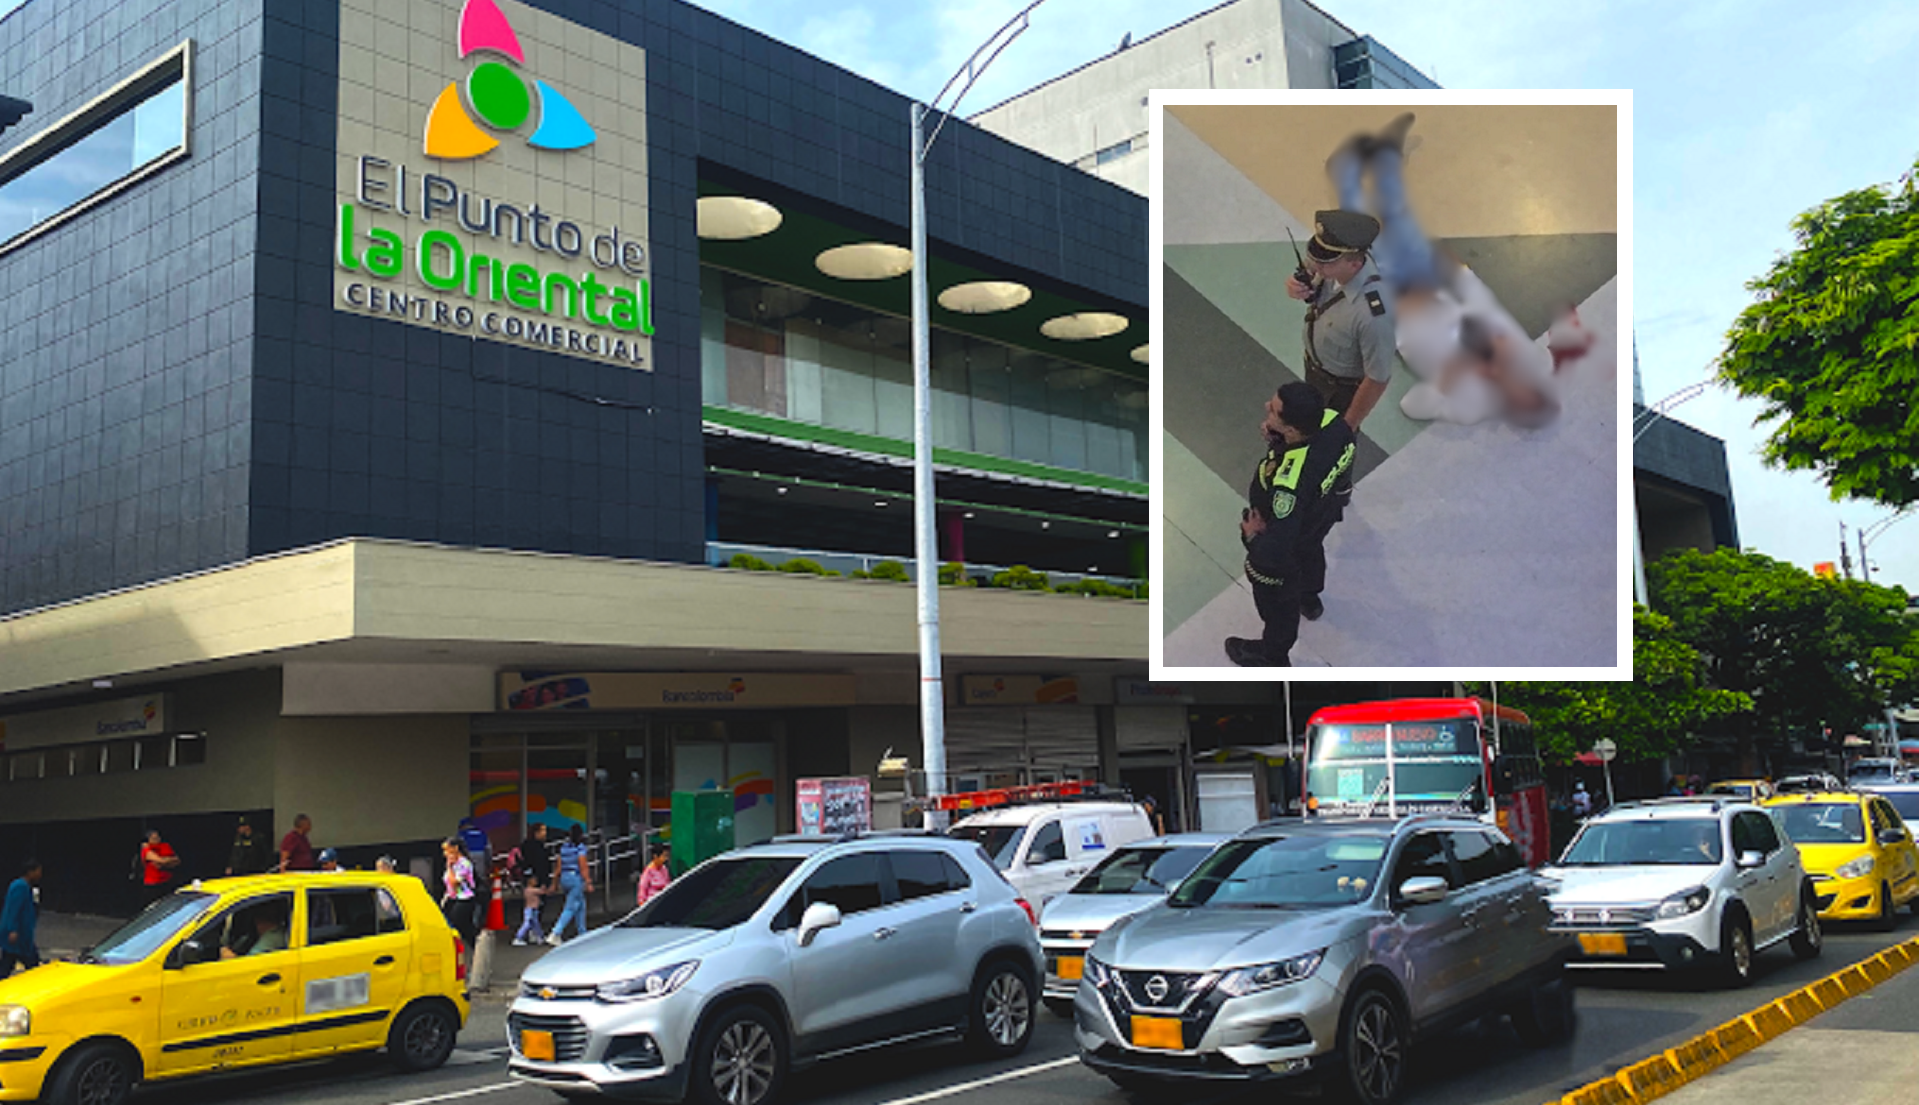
[[1350, 333]]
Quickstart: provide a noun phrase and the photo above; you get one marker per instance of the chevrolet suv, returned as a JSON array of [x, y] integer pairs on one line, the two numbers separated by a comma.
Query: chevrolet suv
[[777, 955], [1322, 948], [1684, 882]]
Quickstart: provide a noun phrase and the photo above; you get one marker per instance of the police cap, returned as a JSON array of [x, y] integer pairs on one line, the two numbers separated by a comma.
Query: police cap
[[1337, 233]]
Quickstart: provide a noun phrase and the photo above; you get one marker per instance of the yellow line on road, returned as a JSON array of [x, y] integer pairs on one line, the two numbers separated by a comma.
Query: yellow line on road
[[1654, 1078]]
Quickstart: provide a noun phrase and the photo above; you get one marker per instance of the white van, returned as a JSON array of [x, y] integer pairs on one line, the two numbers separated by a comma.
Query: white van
[[1043, 848]]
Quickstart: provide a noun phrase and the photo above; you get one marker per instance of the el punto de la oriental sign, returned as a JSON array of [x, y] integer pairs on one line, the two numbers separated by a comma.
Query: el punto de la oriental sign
[[449, 246]]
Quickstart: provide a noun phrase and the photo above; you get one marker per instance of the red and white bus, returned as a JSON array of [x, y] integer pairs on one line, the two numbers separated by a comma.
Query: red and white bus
[[1416, 755]]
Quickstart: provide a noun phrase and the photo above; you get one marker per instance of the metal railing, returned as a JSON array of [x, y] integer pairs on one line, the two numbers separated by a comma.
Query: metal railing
[[718, 553]]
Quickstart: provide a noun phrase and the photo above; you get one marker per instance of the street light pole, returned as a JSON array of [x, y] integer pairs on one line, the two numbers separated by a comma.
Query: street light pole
[[1868, 534], [925, 507]]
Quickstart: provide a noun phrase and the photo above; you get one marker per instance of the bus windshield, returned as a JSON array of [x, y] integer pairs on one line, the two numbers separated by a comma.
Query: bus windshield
[[1434, 762]]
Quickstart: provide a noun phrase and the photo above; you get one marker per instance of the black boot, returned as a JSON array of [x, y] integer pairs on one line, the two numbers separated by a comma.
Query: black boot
[[1251, 654], [1311, 608]]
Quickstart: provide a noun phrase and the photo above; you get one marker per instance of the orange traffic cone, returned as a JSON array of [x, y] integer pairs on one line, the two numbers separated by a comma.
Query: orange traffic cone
[[496, 909]]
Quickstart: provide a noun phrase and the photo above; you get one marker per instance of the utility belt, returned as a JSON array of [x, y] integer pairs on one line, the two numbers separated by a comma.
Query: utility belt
[[1337, 391]]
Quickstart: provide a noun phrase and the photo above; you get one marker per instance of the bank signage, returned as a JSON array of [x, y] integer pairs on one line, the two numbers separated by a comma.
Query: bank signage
[[477, 198], [140, 716], [523, 691], [1018, 690], [1143, 692]]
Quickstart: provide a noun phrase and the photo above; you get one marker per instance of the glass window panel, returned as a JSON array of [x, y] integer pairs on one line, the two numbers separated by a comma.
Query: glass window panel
[[991, 387], [755, 368], [1030, 422], [713, 337], [155, 753], [1067, 408], [124, 144], [948, 376], [189, 748], [846, 387], [119, 756], [893, 394], [493, 794], [803, 371]]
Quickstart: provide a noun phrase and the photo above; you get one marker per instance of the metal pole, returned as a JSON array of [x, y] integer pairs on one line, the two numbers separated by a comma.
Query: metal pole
[[1865, 566], [1607, 764], [1392, 776], [1638, 559], [925, 546], [1292, 757]]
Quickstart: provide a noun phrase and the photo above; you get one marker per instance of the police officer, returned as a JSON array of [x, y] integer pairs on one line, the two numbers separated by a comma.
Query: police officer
[[1349, 320], [1309, 450]]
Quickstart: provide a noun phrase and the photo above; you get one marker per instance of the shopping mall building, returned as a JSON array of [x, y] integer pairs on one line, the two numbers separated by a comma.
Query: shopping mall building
[[388, 384]]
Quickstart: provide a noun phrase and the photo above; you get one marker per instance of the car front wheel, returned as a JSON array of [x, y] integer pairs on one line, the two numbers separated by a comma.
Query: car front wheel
[[96, 1074], [1375, 1046], [1735, 949], [740, 1059], [1810, 937]]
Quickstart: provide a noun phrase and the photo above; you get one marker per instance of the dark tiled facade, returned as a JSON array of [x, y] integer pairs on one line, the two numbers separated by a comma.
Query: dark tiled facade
[[173, 424]]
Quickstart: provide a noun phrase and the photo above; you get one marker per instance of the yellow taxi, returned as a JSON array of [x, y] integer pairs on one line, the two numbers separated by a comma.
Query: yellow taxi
[[1857, 850], [1751, 790], [237, 973]]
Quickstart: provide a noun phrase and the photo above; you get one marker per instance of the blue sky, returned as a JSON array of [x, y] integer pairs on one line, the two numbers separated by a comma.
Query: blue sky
[[1746, 113]]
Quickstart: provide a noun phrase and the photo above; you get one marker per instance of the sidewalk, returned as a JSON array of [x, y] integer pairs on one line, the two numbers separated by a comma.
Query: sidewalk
[[64, 935]]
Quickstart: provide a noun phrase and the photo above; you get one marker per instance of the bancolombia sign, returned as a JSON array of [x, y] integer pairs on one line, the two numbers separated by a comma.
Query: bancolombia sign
[[484, 240]]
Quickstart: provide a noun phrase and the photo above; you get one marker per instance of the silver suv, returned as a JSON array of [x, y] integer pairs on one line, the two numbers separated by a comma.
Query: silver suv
[[1684, 882], [776, 955], [1324, 948]]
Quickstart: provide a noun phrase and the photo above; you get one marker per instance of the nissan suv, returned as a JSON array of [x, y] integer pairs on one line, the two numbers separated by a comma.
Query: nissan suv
[[1684, 882], [776, 955], [1320, 948]]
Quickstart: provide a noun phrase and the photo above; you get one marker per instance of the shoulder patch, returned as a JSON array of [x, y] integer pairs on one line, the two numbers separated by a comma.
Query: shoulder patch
[[1377, 304], [1373, 279]]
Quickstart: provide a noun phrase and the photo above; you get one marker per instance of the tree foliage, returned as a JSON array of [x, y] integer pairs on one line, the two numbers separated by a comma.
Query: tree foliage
[[1653, 715], [1807, 651], [1831, 347]]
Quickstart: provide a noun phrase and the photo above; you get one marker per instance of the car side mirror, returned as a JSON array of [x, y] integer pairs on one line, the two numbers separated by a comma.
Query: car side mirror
[[818, 917], [1424, 890], [186, 954], [1892, 836], [1750, 859]]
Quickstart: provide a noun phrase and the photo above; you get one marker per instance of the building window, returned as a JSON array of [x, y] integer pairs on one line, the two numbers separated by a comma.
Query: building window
[[1113, 152], [153, 753], [122, 137]]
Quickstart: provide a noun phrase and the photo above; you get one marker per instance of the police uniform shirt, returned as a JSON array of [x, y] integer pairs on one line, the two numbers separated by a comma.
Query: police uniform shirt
[[1286, 491], [1353, 334]]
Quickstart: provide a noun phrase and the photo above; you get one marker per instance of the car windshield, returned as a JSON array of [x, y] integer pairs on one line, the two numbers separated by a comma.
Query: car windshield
[[1871, 771], [1436, 764], [1285, 872], [157, 924], [1738, 790], [1906, 802], [1823, 823], [715, 895], [1001, 841], [1141, 871], [1665, 841]]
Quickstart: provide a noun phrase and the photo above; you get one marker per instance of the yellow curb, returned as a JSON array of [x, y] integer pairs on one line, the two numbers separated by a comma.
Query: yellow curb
[[1655, 1077]]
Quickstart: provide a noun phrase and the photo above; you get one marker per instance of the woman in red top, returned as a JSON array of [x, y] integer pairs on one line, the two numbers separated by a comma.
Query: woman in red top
[[159, 860]]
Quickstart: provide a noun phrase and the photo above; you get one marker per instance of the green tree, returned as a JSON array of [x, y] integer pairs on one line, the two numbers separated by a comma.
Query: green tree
[[1807, 651], [1654, 715], [1832, 346]]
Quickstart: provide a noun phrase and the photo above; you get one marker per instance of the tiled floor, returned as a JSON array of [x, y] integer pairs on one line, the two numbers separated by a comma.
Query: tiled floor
[[1481, 546]]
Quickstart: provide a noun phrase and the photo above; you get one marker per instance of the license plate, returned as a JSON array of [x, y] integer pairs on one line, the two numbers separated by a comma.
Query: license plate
[[1602, 943], [1071, 967], [1158, 1032], [537, 1045]]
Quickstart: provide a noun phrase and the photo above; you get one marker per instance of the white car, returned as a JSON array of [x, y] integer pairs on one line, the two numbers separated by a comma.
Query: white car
[[1044, 848], [1683, 882]]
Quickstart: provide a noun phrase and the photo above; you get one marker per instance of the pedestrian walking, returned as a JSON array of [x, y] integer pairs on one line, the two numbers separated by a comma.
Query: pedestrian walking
[[654, 877], [574, 876], [296, 850], [1582, 802], [458, 896], [534, 865], [18, 919], [248, 855], [159, 863]]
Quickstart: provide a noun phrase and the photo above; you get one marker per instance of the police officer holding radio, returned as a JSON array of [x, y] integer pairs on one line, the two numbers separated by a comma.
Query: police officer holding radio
[[1309, 455], [1349, 317]]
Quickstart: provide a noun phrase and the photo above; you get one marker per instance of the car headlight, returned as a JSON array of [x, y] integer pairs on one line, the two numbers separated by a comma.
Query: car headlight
[[1265, 976], [15, 1021], [1856, 869], [1692, 901], [653, 984], [1095, 972]]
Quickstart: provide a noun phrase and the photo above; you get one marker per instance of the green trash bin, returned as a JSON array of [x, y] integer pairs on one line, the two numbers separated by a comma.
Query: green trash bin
[[702, 827]]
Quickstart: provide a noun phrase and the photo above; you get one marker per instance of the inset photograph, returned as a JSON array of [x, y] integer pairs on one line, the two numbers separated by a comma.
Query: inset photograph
[[1388, 387]]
